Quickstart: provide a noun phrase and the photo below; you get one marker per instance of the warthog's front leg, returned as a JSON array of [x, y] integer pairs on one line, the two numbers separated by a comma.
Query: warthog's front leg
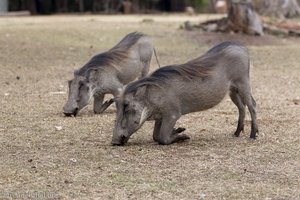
[[156, 130], [164, 132], [99, 106], [157, 127]]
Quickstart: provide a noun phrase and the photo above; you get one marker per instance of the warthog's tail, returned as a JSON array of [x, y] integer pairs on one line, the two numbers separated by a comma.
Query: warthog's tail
[[156, 57]]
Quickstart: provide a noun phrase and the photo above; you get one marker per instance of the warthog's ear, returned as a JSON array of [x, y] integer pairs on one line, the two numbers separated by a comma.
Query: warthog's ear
[[69, 83], [76, 72], [141, 91], [93, 75]]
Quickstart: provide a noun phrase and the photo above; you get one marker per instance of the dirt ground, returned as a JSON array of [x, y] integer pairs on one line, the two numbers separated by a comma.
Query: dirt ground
[[44, 155]]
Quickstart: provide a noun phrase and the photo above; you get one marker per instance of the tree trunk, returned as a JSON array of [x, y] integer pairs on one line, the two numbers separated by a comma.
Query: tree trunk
[[31, 6], [278, 8], [211, 6], [61, 6], [243, 18], [81, 5]]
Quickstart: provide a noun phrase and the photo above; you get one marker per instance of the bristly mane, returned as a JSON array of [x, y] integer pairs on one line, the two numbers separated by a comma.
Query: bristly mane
[[113, 56], [202, 67]]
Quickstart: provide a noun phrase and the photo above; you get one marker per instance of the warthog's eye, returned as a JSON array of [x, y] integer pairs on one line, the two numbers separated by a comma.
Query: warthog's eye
[[80, 85], [126, 106]]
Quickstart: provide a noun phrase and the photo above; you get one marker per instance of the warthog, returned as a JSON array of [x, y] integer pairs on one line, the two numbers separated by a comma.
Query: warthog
[[108, 72], [176, 90]]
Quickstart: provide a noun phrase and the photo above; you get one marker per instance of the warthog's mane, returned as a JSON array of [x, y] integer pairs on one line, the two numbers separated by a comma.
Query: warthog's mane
[[111, 57], [201, 67]]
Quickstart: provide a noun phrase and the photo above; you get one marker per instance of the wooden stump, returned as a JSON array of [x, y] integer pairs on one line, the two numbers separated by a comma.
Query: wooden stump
[[278, 8]]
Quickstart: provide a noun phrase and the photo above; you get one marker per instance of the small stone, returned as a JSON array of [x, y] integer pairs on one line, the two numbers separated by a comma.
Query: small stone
[[147, 20], [73, 160], [58, 128], [202, 195], [30, 160]]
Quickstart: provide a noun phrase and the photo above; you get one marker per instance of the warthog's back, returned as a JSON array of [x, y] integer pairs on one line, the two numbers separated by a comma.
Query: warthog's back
[[203, 82], [121, 57]]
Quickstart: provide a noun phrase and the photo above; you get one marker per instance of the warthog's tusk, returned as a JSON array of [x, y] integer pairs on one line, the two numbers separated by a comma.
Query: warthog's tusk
[[144, 115]]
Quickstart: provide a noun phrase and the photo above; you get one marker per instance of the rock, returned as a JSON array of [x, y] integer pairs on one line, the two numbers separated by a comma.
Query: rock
[[188, 26]]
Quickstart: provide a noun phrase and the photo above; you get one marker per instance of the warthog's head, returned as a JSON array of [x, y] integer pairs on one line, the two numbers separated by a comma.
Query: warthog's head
[[132, 112], [80, 93]]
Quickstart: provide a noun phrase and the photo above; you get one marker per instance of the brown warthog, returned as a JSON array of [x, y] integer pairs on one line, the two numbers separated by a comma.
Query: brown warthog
[[176, 90], [108, 72]]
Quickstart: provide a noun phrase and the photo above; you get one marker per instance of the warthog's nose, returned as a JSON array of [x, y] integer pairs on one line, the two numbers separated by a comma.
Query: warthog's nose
[[70, 113], [116, 143]]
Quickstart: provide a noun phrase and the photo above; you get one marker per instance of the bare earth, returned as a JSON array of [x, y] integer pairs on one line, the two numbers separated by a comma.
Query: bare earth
[[44, 155]]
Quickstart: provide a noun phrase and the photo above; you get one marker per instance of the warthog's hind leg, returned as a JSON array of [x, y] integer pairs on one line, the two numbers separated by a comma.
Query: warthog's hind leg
[[244, 92], [234, 95], [252, 110]]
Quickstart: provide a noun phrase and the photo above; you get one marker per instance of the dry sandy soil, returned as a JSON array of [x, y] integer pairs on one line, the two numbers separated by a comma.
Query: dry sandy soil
[[40, 161]]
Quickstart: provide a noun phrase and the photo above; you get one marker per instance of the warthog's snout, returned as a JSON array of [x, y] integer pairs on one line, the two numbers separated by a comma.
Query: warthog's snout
[[120, 141], [70, 112]]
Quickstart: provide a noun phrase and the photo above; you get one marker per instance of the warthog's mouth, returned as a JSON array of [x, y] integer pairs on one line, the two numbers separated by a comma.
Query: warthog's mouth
[[70, 114]]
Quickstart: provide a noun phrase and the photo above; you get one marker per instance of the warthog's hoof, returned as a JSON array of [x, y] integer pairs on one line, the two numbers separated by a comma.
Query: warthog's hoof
[[111, 101], [178, 130], [238, 131], [253, 134], [182, 137], [103, 107]]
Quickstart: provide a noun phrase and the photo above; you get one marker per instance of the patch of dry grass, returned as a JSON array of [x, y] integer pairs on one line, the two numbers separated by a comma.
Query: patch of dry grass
[[39, 54]]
